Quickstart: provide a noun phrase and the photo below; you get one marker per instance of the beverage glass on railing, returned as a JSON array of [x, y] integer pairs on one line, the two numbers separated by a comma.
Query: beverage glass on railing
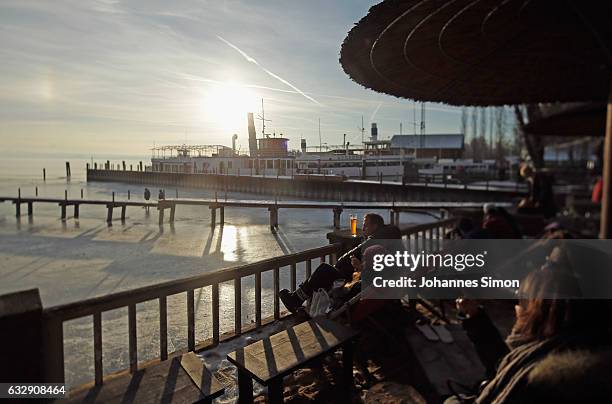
[[353, 225]]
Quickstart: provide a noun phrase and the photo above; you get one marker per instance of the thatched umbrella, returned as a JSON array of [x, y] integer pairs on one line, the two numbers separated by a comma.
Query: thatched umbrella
[[488, 52]]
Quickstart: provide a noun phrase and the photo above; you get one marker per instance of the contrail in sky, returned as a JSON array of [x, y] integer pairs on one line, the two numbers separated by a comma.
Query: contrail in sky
[[282, 80], [375, 111]]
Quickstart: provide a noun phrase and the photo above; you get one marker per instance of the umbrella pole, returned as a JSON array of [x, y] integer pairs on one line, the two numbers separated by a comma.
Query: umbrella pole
[[605, 227]]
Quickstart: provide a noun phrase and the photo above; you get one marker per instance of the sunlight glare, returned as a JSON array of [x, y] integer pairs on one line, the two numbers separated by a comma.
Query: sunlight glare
[[226, 106]]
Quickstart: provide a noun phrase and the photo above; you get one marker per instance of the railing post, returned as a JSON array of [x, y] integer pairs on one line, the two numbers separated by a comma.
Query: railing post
[[293, 276], [98, 366], [190, 321], [132, 338], [163, 328], [215, 313], [53, 350], [258, 299], [276, 288], [22, 356], [237, 306]]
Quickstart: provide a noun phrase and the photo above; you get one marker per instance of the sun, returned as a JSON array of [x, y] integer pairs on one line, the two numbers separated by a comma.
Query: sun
[[226, 106]]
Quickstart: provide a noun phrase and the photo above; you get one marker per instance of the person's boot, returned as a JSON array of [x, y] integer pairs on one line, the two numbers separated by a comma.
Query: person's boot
[[292, 301]]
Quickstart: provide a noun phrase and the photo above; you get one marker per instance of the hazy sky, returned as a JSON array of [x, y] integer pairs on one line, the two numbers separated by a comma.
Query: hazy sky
[[112, 76]]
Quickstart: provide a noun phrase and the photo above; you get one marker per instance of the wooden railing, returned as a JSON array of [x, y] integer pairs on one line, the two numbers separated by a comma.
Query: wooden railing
[[55, 317], [426, 236]]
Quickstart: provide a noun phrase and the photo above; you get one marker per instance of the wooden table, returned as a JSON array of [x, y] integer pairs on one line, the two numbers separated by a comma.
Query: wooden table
[[274, 357], [184, 379]]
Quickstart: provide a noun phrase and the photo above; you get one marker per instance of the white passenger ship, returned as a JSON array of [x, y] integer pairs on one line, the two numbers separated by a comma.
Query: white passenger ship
[[435, 157]]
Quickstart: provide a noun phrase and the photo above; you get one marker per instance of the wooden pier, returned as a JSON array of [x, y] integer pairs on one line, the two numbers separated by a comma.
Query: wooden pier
[[273, 207], [76, 203]]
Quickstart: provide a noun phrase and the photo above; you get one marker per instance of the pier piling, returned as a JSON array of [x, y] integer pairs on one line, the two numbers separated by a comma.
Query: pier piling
[[161, 216], [44, 174], [36, 191], [273, 217], [128, 194], [213, 215], [76, 210], [30, 209], [172, 212], [63, 211], [222, 215], [81, 193], [337, 215], [123, 211], [68, 170], [109, 214]]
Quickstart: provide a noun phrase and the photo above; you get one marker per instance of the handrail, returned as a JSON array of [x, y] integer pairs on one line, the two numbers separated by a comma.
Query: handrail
[[54, 317], [426, 236], [90, 306]]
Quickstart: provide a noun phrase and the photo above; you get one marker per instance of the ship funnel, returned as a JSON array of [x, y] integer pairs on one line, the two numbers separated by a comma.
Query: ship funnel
[[252, 136], [374, 132], [234, 142]]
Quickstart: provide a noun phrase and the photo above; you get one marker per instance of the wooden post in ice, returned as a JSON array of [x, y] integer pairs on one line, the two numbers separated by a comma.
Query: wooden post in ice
[[172, 211], [337, 214], [63, 205], [18, 203]]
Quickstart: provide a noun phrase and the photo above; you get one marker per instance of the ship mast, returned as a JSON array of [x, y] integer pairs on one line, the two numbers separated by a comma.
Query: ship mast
[[263, 119]]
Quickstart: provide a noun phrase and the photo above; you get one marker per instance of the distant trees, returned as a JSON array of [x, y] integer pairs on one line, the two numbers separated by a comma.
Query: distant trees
[[485, 133]]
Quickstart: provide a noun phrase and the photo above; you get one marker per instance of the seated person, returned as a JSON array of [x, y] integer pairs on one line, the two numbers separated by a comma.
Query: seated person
[[324, 276], [461, 230], [498, 223], [558, 350]]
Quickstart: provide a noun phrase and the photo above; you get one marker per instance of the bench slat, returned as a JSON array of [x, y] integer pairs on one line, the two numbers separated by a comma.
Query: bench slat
[[281, 353], [201, 376]]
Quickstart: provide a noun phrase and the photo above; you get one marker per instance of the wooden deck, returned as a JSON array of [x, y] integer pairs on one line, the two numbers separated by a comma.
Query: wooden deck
[[183, 379]]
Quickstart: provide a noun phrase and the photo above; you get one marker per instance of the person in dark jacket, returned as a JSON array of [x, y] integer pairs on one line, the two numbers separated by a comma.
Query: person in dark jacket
[[325, 274], [559, 349]]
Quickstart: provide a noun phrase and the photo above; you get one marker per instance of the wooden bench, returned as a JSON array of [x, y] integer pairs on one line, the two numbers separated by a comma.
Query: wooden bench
[[183, 379], [274, 357]]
